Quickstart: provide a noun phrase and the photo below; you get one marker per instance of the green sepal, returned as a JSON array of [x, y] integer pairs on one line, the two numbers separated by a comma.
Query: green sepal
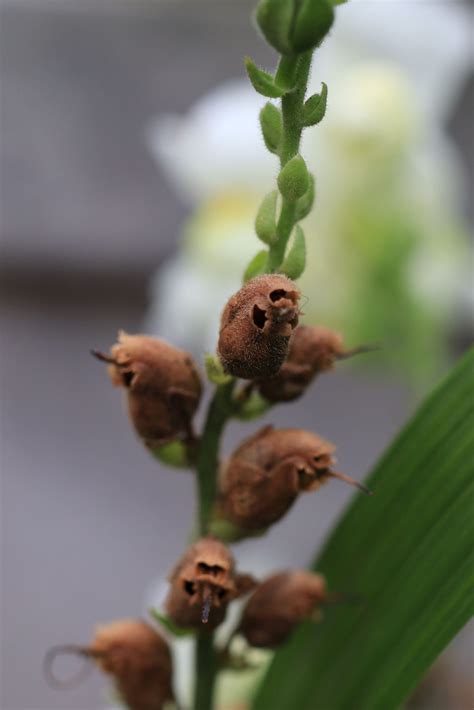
[[169, 625], [229, 532], [305, 203], [255, 406], [257, 266], [214, 370], [287, 73], [265, 221], [293, 180], [175, 453], [313, 21], [315, 107], [272, 127], [275, 18], [295, 261], [262, 81]]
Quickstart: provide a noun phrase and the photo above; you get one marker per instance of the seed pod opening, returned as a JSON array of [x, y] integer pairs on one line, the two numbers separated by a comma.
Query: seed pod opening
[[203, 582], [266, 473], [278, 604], [313, 350], [162, 383], [256, 327]]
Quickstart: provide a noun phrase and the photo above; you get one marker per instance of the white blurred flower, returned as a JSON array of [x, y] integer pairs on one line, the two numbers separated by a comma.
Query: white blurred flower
[[381, 158]]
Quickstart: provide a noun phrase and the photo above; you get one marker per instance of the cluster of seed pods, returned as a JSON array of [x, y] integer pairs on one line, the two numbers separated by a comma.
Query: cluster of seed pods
[[259, 341]]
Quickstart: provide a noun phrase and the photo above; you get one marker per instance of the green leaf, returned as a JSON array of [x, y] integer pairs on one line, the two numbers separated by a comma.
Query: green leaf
[[173, 454], [408, 554], [271, 125], [265, 221], [293, 180], [315, 107], [214, 370], [262, 81], [313, 22], [169, 625], [295, 261], [274, 18], [305, 203], [257, 266]]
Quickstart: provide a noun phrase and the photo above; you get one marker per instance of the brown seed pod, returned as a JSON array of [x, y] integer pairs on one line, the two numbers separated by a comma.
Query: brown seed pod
[[278, 604], [264, 476], [313, 350], [137, 657], [256, 327], [203, 582], [163, 386]]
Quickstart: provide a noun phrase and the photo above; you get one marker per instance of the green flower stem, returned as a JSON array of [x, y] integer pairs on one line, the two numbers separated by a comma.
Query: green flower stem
[[220, 409], [206, 671], [292, 110]]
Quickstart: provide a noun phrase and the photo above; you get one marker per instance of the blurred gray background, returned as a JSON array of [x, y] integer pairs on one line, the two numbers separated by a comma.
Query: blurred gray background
[[89, 521]]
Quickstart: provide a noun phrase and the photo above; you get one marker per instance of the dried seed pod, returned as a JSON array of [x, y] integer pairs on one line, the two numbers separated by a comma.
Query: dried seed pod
[[203, 582], [264, 476], [313, 350], [137, 657], [140, 661], [278, 604], [256, 326], [163, 386]]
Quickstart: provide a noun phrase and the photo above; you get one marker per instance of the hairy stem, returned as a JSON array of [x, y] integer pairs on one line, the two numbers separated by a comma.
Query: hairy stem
[[292, 110]]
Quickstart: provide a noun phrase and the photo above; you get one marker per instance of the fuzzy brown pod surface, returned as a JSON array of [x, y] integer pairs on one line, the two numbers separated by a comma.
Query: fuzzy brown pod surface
[[267, 472], [162, 383], [256, 327], [313, 350], [139, 659], [278, 604], [203, 583]]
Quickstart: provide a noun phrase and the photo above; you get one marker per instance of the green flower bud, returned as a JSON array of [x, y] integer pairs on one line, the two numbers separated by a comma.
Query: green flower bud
[[275, 18], [315, 107], [257, 266], [262, 81], [295, 261], [305, 203], [271, 125], [293, 180], [313, 21], [265, 222]]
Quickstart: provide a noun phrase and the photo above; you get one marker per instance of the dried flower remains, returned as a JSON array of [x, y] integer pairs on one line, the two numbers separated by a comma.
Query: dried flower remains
[[203, 582], [162, 383], [278, 604], [266, 473], [256, 327], [137, 657], [313, 350]]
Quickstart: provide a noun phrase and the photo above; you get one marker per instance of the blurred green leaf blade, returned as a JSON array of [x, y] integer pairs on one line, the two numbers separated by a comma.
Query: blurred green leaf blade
[[408, 554]]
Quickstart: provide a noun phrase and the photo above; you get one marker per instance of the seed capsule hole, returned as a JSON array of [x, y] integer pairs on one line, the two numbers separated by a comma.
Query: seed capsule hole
[[259, 317], [189, 588], [277, 294]]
